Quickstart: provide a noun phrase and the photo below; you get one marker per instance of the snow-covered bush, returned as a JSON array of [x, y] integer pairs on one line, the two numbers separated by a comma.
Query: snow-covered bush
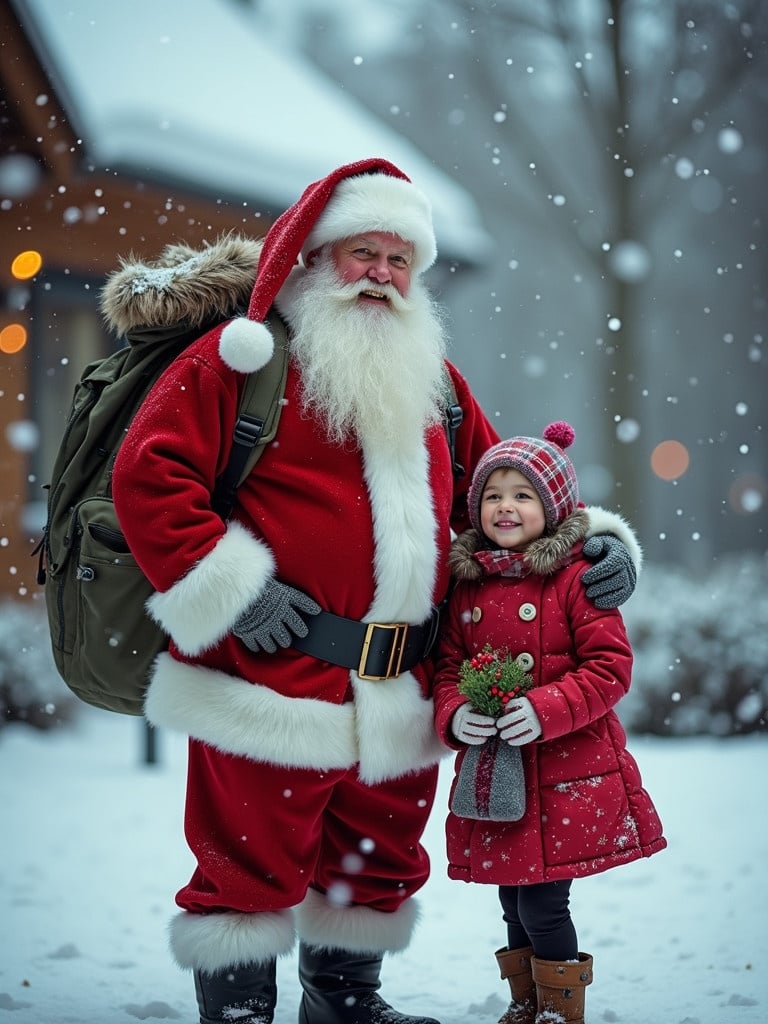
[[31, 690], [701, 650]]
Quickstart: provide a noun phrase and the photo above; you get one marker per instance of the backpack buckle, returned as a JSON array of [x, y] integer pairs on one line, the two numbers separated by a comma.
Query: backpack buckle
[[248, 429], [453, 417]]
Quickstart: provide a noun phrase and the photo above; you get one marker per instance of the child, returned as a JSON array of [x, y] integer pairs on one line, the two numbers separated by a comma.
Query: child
[[517, 591]]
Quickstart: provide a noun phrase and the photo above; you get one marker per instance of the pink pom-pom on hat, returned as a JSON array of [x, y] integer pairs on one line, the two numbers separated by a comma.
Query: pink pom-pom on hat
[[560, 433], [369, 195], [543, 462]]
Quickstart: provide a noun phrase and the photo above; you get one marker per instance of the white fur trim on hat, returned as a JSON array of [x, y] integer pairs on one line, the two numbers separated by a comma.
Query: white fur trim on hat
[[246, 345], [377, 202]]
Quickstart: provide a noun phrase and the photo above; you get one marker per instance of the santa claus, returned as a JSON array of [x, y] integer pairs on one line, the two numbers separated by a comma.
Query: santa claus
[[301, 629]]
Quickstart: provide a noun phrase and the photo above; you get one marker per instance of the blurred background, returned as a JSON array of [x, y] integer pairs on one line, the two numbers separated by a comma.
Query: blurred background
[[598, 175]]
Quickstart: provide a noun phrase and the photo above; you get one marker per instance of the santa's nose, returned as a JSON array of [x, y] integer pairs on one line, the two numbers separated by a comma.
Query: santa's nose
[[379, 271]]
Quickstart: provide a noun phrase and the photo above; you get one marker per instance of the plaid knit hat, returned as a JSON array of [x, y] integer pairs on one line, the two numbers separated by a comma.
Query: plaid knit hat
[[369, 195], [544, 463]]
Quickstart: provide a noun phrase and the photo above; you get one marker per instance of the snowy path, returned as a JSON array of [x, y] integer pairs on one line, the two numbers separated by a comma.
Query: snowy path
[[92, 855]]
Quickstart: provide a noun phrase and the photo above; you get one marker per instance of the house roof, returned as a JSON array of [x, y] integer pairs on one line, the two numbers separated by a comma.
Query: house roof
[[189, 94]]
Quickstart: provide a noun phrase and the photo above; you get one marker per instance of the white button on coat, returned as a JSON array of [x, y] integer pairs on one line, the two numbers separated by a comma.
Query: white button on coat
[[527, 612]]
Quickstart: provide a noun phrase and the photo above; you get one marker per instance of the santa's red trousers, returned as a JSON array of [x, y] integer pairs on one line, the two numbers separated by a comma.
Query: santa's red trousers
[[262, 834]]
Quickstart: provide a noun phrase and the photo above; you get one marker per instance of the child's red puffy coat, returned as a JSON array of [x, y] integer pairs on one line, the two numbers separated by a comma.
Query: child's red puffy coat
[[586, 808]]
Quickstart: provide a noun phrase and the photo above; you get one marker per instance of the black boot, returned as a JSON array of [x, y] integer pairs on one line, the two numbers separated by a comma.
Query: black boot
[[340, 988], [245, 994]]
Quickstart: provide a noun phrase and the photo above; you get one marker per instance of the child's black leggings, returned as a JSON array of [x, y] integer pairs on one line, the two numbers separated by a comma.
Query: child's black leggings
[[538, 916]]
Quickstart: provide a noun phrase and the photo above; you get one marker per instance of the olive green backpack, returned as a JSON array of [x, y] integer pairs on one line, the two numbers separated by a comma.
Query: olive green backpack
[[103, 641]]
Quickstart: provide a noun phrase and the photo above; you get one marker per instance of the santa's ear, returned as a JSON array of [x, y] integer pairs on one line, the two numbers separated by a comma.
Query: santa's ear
[[311, 257]]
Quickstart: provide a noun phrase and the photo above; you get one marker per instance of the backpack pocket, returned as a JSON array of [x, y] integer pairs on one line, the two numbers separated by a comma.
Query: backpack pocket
[[115, 641]]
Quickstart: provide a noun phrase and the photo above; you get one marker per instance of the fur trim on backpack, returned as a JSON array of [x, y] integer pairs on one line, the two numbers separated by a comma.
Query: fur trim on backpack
[[183, 285], [544, 555]]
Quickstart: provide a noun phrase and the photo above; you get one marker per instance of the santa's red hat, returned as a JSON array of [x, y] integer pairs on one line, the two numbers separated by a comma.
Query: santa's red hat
[[369, 195]]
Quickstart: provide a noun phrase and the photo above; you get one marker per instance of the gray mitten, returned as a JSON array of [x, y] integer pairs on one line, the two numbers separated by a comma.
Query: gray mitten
[[613, 578], [271, 619]]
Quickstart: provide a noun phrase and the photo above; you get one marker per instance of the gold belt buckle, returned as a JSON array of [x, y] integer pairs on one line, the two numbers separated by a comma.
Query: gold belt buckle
[[395, 654]]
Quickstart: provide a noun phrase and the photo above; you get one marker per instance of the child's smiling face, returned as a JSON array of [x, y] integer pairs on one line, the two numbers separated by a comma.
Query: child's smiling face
[[511, 511]]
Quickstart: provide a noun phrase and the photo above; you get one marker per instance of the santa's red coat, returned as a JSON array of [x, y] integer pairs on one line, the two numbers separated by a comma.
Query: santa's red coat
[[363, 532]]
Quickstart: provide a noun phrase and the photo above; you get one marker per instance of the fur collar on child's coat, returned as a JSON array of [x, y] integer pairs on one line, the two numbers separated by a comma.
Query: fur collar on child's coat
[[544, 556]]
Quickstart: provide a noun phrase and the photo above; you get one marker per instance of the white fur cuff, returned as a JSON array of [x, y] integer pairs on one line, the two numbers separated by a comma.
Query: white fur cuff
[[357, 929], [213, 942], [202, 607]]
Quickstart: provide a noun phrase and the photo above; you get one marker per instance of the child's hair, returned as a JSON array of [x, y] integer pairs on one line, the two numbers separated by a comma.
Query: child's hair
[[543, 462]]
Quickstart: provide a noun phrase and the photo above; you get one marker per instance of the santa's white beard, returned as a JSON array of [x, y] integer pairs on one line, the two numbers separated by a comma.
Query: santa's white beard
[[371, 372]]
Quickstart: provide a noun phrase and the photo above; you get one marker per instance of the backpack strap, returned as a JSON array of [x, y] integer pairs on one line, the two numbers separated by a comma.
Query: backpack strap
[[257, 420], [259, 415], [453, 415]]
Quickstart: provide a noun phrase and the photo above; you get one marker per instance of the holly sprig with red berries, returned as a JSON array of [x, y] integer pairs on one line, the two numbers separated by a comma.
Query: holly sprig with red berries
[[491, 679]]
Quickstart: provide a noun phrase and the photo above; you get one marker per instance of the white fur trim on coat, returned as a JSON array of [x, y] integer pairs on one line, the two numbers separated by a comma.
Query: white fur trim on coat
[[404, 530], [377, 202], [357, 929], [395, 728], [602, 520], [202, 607], [387, 731], [213, 942], [250, 720]]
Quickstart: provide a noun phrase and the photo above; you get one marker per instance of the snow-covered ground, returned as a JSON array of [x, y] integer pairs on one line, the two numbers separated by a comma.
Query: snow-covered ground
[[92, 853]]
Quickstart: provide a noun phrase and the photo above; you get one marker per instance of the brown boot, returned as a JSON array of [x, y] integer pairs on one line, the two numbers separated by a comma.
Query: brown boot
[[515, 966], [560, 989]]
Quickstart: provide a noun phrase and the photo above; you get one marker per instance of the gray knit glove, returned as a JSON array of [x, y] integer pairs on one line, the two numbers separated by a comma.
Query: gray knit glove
[[270, 620], [613, 578]]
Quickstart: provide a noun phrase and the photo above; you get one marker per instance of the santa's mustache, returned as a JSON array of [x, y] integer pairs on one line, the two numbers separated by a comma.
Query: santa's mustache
[[390, 296]]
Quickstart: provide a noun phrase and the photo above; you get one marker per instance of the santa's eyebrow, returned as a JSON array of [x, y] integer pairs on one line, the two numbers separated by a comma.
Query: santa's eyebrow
[[405, 250]]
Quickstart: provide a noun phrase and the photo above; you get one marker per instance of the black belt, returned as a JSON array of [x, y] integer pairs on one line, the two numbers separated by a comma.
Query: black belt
[[376, 650]]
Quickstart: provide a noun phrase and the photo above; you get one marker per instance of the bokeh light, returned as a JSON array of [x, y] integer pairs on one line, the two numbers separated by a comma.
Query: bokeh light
[[669, 460], [748, 494], [26, 264], [13, 338]]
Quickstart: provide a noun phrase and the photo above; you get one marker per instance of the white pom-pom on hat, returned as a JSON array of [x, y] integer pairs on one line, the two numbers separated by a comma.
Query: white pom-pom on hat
[[246, 345]]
